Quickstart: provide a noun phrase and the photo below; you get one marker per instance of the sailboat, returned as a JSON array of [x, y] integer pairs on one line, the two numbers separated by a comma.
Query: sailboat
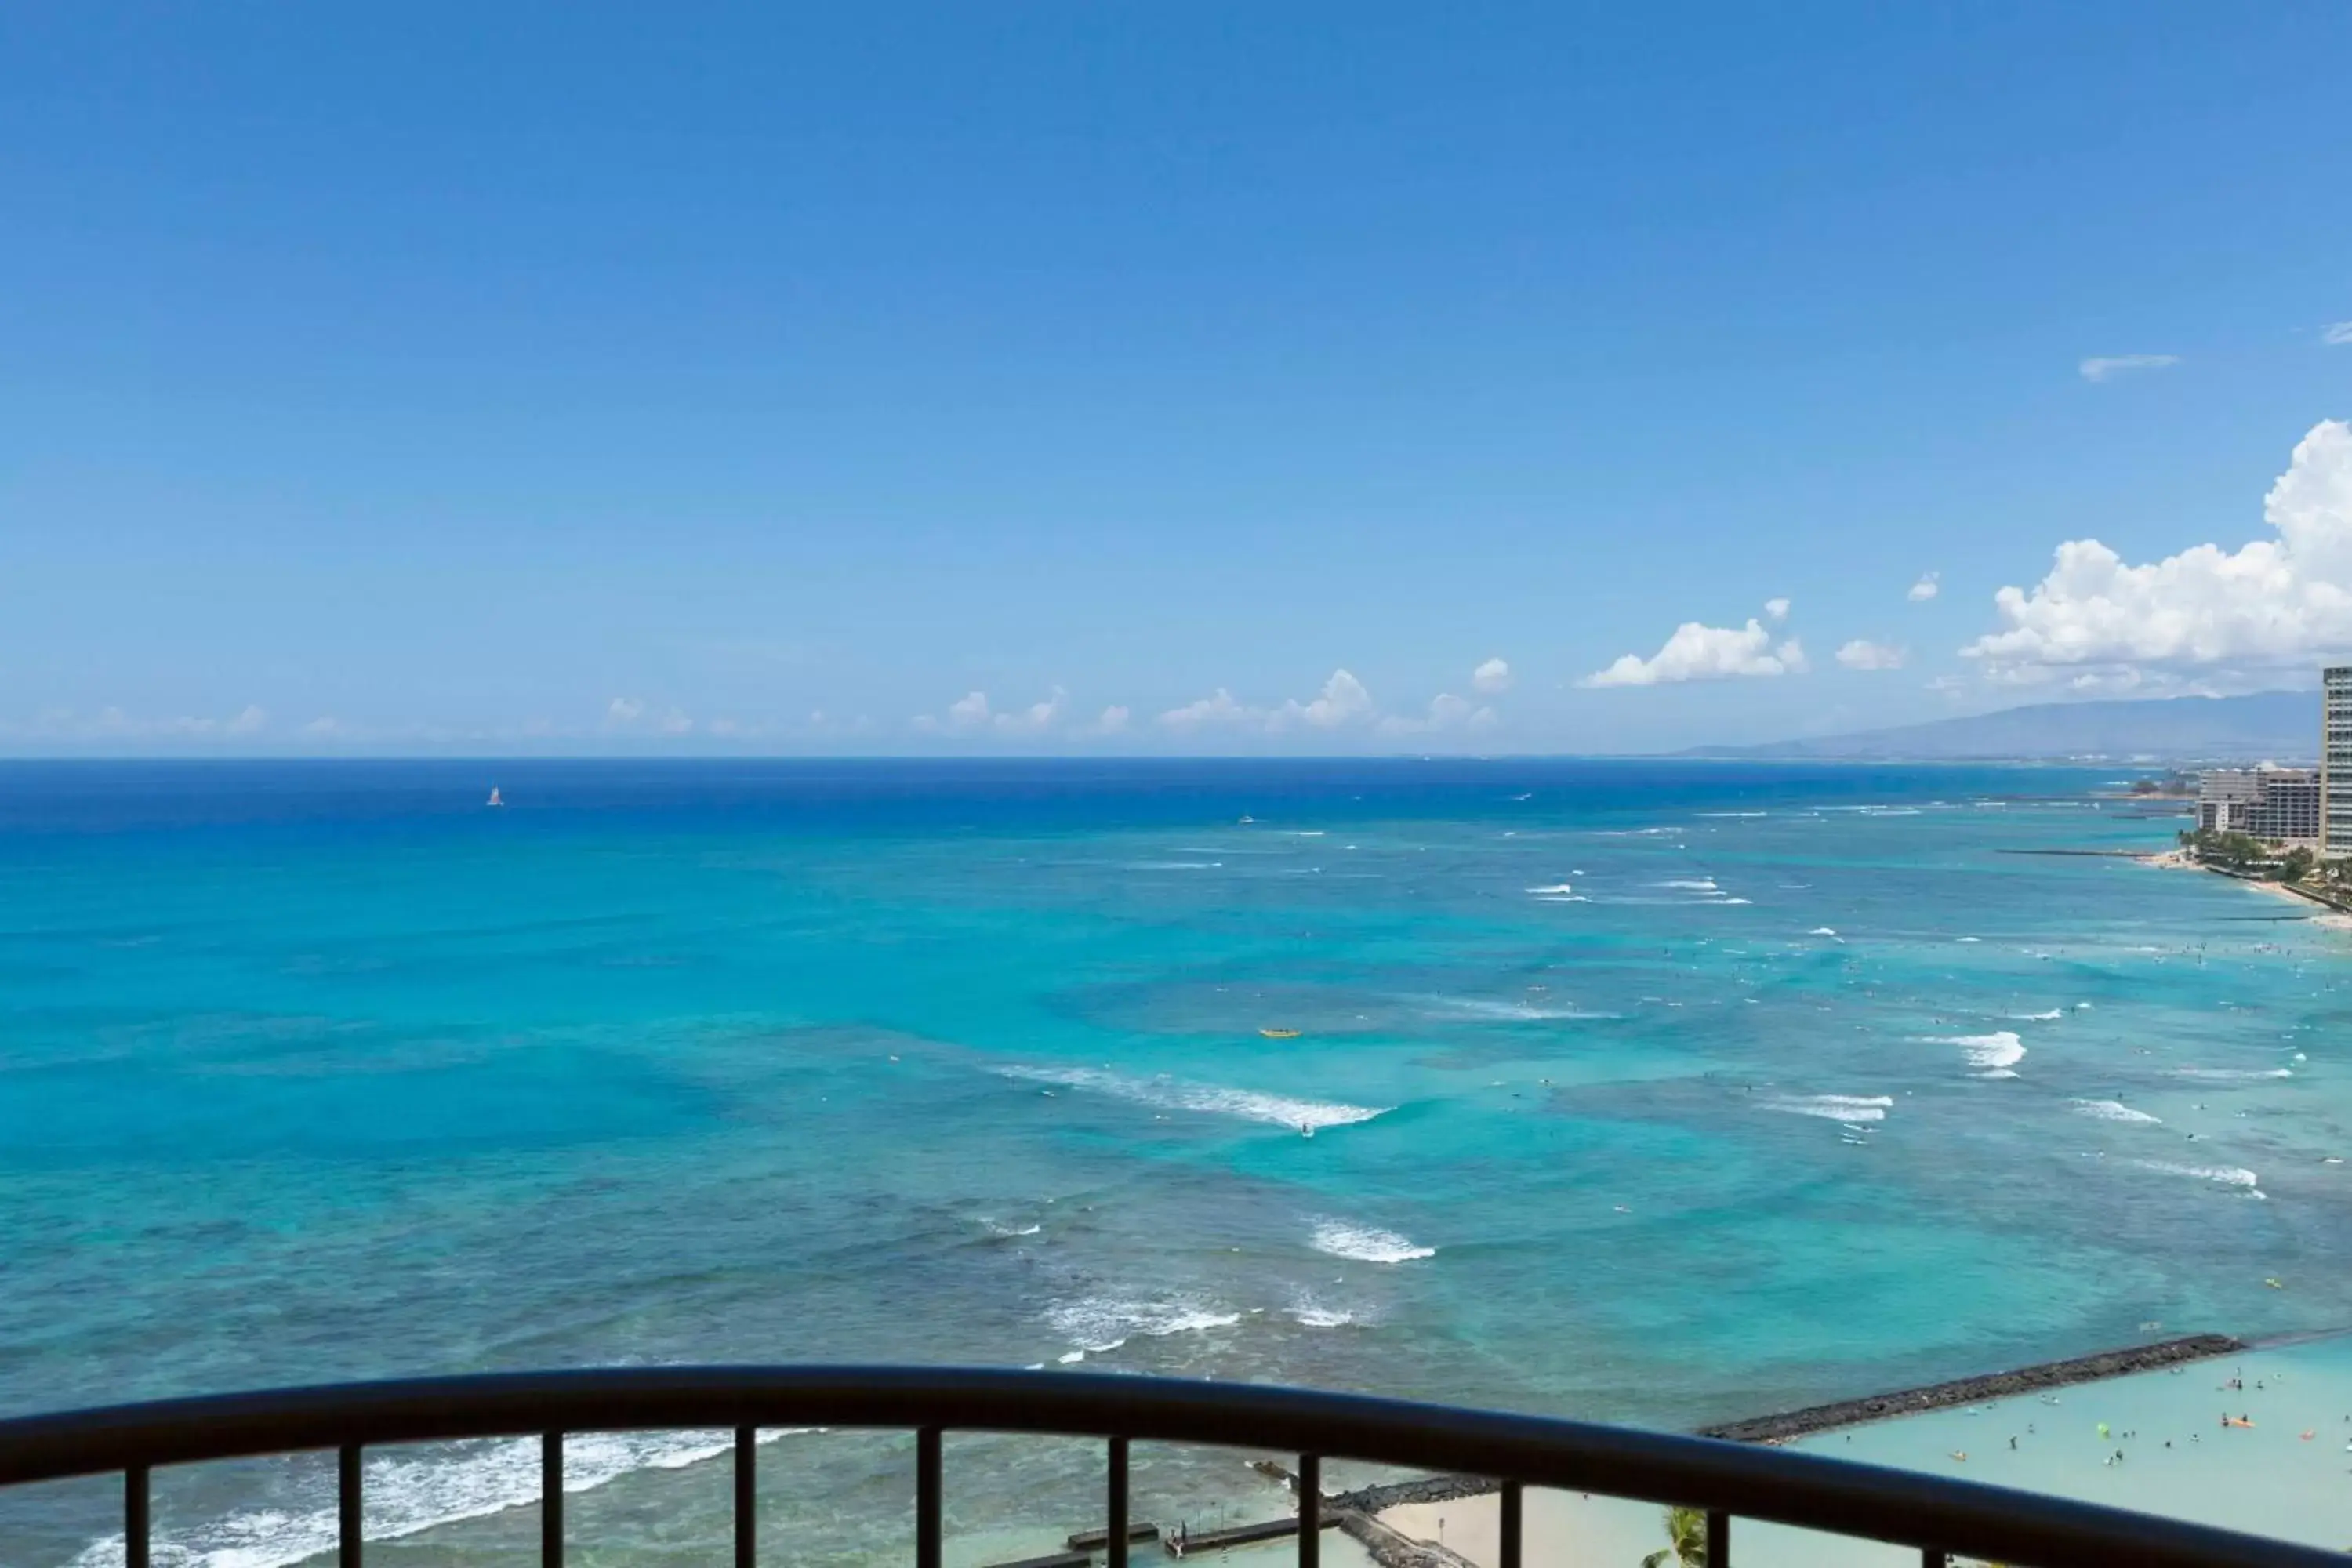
[[494, 796]]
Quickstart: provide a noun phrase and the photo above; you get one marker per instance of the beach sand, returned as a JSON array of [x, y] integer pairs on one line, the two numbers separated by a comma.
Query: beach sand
[[2322, 915], [2331, 919], [2268, 1478]]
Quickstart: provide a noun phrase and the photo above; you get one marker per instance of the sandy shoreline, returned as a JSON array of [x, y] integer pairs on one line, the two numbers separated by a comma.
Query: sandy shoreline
[[2325, 914]]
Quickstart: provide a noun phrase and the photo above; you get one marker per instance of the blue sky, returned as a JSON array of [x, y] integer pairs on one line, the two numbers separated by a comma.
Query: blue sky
[[501, 379]]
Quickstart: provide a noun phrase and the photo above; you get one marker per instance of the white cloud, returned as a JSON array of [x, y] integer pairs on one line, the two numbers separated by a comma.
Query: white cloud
[[2269, 604], [1216, 711], [675, 723], [1698, 652], [2106, 367], [971, 714], [1343, 703], [324, 725], [1114, 720], [1492, 677], [1033, 719], [624, 711], [1776, 609], [1861, 655], [1925, 588], [252, 721], [1447, 712], [2337, 334]]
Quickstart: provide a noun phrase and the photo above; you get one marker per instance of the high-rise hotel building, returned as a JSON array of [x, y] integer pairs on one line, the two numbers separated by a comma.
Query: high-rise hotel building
[[2336, 759]]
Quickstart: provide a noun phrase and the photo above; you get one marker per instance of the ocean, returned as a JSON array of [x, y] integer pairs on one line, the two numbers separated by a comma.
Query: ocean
[[1643, 1091]]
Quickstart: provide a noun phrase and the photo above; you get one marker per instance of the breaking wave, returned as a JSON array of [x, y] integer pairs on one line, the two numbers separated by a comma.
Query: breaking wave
[[1993, 1056], [2225, 1073], [1309, 1312], [2114, 1111], [1173, 1094], [1099, 1324], [1365, 1243], [408, 1494], [1834, 1107], [1509, 1012], [2227, 1175]]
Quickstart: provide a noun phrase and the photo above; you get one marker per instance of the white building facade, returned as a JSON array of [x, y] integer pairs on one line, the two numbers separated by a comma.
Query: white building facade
[[2277, 806]]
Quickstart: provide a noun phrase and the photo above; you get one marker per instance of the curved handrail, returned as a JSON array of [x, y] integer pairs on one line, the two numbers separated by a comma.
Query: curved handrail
[[1744, 1481]]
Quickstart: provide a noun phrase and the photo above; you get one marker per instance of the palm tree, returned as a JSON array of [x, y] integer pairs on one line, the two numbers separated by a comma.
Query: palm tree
[[1686, 1539]]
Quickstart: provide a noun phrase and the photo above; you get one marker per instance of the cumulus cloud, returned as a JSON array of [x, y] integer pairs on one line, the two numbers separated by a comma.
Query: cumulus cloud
[[1447, 713], [1033, 719], [1699, 652], [1114, 720], [1776, 609], [2337, 334], [2271, 603], [971, 714], [1216, 711], [1860, 654], [1343, 703], [1925, 588], [1491, 678], [253, 720], [2106, 367], [624, 711]]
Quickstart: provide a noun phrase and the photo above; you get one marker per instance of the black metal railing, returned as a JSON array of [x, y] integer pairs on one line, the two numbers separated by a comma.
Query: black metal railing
[[1939, 1517]]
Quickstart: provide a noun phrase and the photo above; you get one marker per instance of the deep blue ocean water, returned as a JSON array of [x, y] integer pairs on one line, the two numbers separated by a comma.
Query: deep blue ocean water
[[1641, 1092]]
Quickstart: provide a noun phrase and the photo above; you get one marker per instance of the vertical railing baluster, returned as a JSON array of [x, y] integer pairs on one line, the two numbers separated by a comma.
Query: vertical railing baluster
[[927, 1498], [135, 1517], [1310, 1510], [747, 1497], [1718, 1541], [550, 1500], [1114, 1555], [1512, 1503], [348, 1500]]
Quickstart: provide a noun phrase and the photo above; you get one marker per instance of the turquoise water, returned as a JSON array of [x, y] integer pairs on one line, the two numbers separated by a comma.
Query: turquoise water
[[1640, 1092]]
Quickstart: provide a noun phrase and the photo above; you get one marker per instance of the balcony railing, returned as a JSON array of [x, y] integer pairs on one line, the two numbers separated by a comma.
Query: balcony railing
[[1940, 1517]]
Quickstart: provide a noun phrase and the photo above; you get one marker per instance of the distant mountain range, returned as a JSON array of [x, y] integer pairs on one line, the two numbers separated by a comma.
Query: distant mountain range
[[2279, 725]]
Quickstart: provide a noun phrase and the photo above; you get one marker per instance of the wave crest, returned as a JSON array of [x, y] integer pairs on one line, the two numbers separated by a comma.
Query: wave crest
[[1099, 1323], [1993, 1056], [1174, 1094], [1366, 1244], [2228, 1175], [1834, 1107], [2114, 1111], [408, 1494]]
